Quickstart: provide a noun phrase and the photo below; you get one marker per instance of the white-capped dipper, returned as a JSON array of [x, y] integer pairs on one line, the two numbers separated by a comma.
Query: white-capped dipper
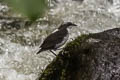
[[56, 39]]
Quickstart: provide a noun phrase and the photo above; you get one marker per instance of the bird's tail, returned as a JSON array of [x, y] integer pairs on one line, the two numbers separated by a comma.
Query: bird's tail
[[39, 51]]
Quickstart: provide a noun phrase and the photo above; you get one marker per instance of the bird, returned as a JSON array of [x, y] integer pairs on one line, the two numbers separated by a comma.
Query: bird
[[56, 39]]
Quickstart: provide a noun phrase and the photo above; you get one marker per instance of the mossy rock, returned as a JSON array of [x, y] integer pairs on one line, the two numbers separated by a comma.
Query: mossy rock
[[88, 57]]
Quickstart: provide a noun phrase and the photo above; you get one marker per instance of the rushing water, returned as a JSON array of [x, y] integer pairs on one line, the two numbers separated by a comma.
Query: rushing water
[[18, 60]]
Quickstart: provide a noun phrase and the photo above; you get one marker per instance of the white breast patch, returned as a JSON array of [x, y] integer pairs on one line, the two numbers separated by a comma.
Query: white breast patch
[[64, 40]]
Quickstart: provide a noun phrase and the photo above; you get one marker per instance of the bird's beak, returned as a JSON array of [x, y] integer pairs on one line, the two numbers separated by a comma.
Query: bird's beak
[[74, 25]]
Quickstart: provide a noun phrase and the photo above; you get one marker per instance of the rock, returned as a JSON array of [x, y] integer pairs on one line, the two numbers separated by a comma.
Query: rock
[[111, 34], [88, 57]]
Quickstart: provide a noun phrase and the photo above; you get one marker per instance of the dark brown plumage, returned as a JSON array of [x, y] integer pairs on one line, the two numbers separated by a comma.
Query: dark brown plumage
[[56, 39]]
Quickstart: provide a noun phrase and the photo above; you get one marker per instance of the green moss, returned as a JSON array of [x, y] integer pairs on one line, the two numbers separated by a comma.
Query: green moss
[[63, 75], [75, 44]]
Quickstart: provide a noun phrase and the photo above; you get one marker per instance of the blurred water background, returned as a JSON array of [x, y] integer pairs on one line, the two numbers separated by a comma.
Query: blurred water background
[[19, 43]]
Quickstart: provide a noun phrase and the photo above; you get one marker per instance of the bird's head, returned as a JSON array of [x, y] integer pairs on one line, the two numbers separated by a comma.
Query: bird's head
[[66, 25]]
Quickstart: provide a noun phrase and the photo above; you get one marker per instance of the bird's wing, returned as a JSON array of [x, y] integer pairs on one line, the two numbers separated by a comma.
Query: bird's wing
[[53, 39]]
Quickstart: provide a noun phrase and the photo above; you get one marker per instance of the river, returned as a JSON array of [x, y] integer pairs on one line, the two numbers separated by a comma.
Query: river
[[18, 60]]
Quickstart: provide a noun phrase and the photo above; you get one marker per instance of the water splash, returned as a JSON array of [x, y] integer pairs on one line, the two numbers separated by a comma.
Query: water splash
[[18, 60]]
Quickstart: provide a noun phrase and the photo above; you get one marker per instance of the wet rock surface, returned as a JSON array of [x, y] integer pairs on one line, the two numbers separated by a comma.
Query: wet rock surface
[[88, 57]]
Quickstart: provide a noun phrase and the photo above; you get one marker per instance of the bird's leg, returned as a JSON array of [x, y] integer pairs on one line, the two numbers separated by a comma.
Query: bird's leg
[[53, 52]]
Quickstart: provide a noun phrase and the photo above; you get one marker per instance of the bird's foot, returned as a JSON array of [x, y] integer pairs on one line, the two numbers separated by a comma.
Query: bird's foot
[[71, 39]]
